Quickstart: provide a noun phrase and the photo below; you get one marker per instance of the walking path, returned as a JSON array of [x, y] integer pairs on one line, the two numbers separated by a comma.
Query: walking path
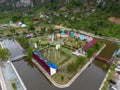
[[2, 81], [8, 74], [20, 80], [73, 79]]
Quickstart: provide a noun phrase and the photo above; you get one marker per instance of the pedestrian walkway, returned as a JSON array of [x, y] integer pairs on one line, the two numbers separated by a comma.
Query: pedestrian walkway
[[2, 80], [10, 77], [0, 87]]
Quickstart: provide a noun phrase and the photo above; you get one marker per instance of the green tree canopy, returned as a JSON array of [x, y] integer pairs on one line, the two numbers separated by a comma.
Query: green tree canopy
[[4, 53]]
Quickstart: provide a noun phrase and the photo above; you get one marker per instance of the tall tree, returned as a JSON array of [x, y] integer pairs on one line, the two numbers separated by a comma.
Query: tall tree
[[31, 28], [12, 30]]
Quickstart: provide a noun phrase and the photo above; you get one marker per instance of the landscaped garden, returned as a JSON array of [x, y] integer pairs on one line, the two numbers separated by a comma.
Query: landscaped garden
[[66, 61]]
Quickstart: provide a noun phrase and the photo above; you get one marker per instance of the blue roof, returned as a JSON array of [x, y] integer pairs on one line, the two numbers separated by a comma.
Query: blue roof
[[43, 58], [35, 52], [51, 65], [82, 37]]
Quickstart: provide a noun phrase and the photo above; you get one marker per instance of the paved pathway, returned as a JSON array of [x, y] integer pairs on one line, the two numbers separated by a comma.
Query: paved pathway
[[2, 81], [9, 72]]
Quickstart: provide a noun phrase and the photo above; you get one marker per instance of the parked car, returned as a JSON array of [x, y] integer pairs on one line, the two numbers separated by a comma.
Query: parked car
[[118, 66], [112, 81], [118, 62], [110, 87], [118, 72], [117, 69]]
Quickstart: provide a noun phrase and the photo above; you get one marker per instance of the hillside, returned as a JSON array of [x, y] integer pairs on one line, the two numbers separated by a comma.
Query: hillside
[[10, 5], [92, 16]]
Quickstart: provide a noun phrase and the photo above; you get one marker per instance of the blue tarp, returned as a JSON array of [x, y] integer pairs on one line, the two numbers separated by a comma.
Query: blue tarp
[[35, 52], [51, 65], [115, 52], [82, 37]]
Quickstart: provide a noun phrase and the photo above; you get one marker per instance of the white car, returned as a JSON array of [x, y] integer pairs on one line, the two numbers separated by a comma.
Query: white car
[[117, 69], [118, 62]]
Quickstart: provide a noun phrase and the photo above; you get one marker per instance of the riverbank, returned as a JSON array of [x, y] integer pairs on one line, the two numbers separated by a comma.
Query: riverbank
[[111, 75], [105, 78], [2, 81], [18, 76], [74, 77]]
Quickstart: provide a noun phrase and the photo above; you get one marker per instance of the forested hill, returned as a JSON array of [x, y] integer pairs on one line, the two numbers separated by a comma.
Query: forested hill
[[14, 4], [91, 15]]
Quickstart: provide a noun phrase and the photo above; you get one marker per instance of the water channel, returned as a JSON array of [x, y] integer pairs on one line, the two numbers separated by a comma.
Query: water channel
[[90, 79]]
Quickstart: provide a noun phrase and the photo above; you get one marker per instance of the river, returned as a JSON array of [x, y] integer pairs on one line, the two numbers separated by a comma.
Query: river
[[90, 79]]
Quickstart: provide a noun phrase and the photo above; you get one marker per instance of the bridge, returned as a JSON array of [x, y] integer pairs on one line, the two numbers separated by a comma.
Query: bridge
[[18, 57], [102, 59]]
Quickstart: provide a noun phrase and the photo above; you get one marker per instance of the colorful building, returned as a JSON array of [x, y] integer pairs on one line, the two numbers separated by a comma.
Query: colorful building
[[48, 67]]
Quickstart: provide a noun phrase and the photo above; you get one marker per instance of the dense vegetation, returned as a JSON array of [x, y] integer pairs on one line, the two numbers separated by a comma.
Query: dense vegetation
[[92, 18], [4, 53], [88, 16]]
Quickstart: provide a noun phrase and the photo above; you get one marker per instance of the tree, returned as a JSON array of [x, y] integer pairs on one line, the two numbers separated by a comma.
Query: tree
[[4, 53], [29, 53], [1, 32], [72, 67], [17, 18], [62, 78], [31, 28], [23, 42], [12, 30]]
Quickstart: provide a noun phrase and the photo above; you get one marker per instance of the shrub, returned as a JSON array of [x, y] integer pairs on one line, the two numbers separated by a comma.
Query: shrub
[[62, 78], [72, 67]]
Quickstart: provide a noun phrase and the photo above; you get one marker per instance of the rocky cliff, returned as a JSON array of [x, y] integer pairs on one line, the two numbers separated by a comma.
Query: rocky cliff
[[9, 4]]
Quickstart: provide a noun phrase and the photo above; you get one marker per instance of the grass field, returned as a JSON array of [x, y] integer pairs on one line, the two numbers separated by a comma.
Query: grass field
[[62, 58]]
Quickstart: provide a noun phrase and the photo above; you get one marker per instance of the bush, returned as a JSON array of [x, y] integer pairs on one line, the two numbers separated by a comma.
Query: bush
[[72, 67], [23, 42], [80, 61], [62, 78], [14, 86]]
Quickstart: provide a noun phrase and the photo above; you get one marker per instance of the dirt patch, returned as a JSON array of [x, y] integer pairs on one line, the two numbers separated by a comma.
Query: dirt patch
[[14, 25], [115, 20]]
